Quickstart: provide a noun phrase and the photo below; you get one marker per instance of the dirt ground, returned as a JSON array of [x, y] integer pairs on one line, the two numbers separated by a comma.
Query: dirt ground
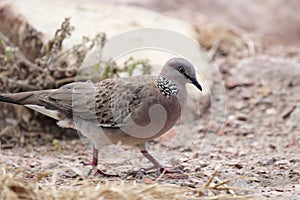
[[258, 146]]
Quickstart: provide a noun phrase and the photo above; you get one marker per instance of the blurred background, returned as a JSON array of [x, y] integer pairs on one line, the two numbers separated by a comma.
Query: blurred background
[[276, 19]]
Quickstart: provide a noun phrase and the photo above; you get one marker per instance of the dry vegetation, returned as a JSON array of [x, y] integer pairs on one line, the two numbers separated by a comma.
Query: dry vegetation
[[14, 186], [48, 67]]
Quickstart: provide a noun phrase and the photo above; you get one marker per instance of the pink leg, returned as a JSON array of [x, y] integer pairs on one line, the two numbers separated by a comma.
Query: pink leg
[[95, 165], [95, 157], [156, 164]]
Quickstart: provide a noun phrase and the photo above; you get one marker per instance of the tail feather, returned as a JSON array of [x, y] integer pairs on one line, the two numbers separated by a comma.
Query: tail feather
[[33, 101], [22, 98]]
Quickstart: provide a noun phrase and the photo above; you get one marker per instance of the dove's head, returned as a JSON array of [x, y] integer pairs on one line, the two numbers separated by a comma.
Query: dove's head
[[180, 71]]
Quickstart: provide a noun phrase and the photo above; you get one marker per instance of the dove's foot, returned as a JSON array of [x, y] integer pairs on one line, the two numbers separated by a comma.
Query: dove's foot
[[156, 164], [163, 170], [98, 172], [95, 171]]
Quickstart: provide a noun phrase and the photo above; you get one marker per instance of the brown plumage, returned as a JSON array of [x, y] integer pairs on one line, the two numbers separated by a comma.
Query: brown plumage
[[130, 110]]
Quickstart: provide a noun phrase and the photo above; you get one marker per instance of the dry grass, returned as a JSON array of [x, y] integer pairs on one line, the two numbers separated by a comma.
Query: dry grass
[[225, 40], [14, 186]]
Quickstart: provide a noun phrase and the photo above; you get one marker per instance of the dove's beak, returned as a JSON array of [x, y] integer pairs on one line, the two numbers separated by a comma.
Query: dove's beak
[[195, 82]]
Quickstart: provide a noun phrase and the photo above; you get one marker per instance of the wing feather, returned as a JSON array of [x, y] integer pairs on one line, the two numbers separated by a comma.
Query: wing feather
[[109, 102]]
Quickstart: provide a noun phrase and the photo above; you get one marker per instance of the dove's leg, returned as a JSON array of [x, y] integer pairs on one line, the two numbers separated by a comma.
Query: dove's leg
[[144, 148], [95, 157], [94, 164]]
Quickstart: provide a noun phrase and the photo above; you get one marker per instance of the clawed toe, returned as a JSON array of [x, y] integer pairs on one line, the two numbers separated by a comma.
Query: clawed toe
[[98, 172], [159, 170], [86, 163], [137, 174], [163, 170]]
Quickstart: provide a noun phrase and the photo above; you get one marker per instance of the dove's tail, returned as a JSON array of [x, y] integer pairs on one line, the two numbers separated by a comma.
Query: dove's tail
[[32, 100], [22, 98]]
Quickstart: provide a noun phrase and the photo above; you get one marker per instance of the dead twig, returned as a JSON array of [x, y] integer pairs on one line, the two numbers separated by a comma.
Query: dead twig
[[207, 184]]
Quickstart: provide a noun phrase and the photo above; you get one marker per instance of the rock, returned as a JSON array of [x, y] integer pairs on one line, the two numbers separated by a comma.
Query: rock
[[241, 117], [294, 119], [148, 180], [234, 83], [287, 111], [271, 111]]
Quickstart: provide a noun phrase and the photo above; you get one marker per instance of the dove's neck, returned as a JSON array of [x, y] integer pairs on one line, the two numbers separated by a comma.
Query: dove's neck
[[178, 88], [179, 80], [182, 93]]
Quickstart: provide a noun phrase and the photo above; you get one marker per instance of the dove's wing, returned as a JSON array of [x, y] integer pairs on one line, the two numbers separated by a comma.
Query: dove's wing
[[110, 102]]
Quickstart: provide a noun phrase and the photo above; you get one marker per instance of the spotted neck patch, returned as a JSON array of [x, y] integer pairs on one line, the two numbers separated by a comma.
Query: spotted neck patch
[[165, 86]]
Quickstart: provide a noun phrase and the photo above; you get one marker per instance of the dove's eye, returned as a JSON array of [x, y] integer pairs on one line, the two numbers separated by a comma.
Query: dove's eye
[[181, 70]]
